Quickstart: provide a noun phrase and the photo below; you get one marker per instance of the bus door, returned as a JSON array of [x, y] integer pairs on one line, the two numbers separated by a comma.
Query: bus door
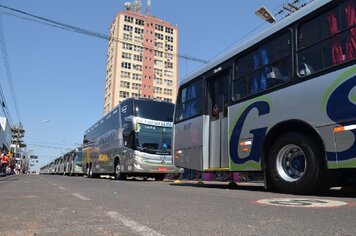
[[218, 130]]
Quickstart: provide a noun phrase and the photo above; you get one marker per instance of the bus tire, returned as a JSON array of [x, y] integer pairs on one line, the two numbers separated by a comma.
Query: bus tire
[[117, 171], [295, 164], [160, 177], [90, 171]]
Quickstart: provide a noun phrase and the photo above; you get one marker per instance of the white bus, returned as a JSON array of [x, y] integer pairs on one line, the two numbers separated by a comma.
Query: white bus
[[134, 139], [284, 103], [73, 162]]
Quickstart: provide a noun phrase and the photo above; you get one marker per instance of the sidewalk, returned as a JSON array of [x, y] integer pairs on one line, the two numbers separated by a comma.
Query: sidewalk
[[4, 175]]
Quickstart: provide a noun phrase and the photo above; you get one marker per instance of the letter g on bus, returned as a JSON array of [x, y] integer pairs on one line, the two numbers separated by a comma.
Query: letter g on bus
[[341, 108], [263, 108]]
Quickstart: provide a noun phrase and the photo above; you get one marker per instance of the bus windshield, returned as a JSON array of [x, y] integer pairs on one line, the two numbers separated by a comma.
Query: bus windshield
[[153, 139], [78, 158], [147, 109]]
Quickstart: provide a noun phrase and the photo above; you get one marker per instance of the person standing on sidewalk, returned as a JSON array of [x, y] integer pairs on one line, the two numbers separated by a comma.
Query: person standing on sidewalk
[[4, 162], [12, 165]]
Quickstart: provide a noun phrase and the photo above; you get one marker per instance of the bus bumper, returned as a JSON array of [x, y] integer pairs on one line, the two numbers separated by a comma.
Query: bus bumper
[[143, 167]]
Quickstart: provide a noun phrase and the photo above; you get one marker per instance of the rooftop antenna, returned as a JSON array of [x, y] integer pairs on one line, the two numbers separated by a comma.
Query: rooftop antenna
[[134, 6], [137, 6], [148, 7]]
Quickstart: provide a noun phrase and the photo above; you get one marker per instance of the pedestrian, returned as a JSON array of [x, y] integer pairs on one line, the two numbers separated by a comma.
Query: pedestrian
[[12, 165], [4, 162]]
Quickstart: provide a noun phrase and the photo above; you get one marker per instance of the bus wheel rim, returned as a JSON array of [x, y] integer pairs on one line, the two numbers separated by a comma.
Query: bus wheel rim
[[291, 163], [118, 169]]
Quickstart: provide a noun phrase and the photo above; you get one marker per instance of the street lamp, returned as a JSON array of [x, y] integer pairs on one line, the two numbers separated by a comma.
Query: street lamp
[[265, 15]]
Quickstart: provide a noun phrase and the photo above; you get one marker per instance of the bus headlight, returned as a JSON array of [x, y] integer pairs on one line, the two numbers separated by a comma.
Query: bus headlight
[[138, 158]]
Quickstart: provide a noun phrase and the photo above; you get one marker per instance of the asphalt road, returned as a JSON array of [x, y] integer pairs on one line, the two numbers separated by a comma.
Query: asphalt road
[[61, 205]]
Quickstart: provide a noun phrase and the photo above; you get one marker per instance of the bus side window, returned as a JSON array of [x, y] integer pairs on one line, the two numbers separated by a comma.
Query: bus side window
[[264, 68], [327, 40], [189, 101]]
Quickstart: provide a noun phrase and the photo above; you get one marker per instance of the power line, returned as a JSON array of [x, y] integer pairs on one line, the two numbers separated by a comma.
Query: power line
[[60, 25], [49, 146], [5, 58]]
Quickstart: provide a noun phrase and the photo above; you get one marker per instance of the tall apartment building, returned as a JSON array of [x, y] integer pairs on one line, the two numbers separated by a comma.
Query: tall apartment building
[[142, 59]]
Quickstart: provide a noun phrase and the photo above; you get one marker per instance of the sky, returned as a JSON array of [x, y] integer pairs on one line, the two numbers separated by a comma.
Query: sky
[[58, 76]]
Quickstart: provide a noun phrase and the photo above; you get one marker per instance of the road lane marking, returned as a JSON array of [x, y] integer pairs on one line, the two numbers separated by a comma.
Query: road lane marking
[[301, 202], [20, 197], [62, 188], [81, 197], [133, 225]]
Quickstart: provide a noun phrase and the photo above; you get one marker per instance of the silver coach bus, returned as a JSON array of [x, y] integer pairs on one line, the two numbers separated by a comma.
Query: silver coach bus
[[73, 162], [283, 103], [134, 139]]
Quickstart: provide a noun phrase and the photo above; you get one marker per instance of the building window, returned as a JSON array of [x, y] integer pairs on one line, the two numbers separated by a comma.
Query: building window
[[137, 67], [124, 94], [169, 56], [126, 55], [157, 80], [139, 38], [168, 73], [136, 77], [169, 30], [158, 72], [138, 30], [126, 65], [157, 90], [138, 49], [140, 22], [159, 44], [159, 36], [168, 82], [158, 53], [169, 47], [128, 19], [168, 65], [135, 95], [167, 91], [158, 62], [128, 28], [169, 38], [137, 57], [159, 27], [125, 75], [127, 37], [124, 84], [136, 86], [127, 46], [167, 100]]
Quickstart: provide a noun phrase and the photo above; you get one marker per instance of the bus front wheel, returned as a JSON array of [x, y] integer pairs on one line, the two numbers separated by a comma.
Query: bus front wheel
[[117, 172], [295, 164], [90, 172]]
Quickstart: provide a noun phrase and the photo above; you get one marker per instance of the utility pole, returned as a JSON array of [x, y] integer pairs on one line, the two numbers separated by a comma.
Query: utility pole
[[17, 135]]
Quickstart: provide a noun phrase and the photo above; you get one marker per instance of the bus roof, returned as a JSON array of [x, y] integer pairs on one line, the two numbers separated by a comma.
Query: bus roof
[[264, 34], [115, 108]]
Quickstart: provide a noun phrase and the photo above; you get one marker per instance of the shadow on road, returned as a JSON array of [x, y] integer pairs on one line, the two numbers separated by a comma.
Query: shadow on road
[[231, 186], [340, 192]]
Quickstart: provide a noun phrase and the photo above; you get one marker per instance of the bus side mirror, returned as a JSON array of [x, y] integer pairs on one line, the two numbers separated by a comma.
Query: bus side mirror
[[85, 141]]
